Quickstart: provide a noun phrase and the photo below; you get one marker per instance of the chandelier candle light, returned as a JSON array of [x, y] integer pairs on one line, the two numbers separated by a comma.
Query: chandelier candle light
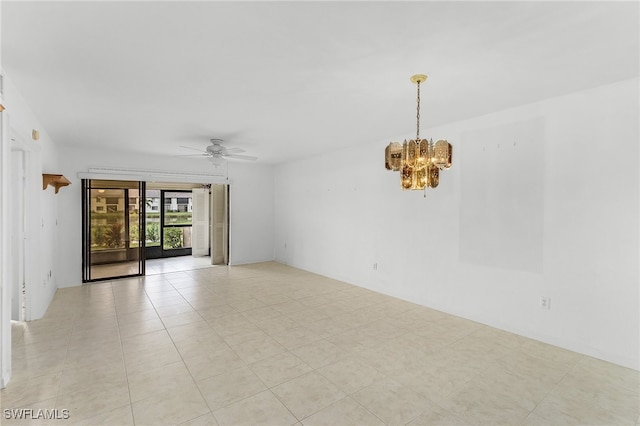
[[419, 161]]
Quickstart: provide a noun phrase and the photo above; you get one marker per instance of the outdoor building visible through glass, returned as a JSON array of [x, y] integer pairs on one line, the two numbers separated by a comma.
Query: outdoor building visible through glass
[[419, 161]]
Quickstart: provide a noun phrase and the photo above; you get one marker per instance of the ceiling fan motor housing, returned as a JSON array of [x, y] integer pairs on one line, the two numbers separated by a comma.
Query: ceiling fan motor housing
[[214, 150]]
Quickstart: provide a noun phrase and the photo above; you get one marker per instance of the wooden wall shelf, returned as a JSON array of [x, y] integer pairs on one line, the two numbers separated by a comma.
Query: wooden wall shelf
[[57, 181]]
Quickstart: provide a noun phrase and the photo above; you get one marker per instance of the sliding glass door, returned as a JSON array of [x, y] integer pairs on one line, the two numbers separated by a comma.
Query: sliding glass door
[[113, 229], [124, 223]]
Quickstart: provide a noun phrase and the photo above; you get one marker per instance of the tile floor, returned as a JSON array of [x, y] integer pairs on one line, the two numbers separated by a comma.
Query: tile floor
[[269, 344], [177, 264], [152, 266]]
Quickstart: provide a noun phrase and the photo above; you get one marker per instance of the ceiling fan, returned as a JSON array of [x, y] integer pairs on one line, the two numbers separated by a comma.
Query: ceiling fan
[[218, 151]]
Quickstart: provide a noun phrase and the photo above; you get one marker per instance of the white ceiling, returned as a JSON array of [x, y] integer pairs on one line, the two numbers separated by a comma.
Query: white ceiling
[[290, 79]]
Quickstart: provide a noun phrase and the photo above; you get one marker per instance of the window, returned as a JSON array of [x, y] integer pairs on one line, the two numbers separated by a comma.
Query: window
[[168, 223]]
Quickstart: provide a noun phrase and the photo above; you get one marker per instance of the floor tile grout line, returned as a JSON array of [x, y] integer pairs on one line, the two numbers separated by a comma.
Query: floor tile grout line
[[195, 382], [350, 395], [282, 402], [66, 354], [64, 364], [172, 341], [546, 395], [124, 362], [246, 365]]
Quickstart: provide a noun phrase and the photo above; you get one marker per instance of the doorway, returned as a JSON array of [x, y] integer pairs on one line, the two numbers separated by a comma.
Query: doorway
[[24, 240], [126, 223], [18, 235]]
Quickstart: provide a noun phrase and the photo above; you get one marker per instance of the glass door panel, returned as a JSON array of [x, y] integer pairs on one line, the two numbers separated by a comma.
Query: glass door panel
[[176, 222], [152, 224], [113, 236], [168, 223]]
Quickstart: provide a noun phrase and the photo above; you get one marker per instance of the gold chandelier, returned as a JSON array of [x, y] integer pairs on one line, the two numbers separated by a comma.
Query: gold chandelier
[[419, 161]]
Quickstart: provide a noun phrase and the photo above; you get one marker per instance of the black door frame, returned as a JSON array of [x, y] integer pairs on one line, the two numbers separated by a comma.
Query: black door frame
[[159, 252], [86, 229]]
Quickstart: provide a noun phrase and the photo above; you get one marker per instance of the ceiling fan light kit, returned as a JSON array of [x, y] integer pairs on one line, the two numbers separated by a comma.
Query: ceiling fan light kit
[[419, 161], [216, 161], [217, 153]]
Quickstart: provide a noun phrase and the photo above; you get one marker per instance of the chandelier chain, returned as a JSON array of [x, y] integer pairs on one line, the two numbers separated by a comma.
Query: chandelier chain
[[418, 116]]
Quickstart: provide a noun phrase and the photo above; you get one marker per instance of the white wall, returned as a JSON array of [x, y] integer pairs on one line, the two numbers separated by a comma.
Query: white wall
[[41, 205], [251, 203], [251, 213], [5, 261], [555, 214], [18, 121]]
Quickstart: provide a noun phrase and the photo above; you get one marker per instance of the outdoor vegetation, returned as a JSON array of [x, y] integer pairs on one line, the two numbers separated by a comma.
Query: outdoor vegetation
[[108, 230]]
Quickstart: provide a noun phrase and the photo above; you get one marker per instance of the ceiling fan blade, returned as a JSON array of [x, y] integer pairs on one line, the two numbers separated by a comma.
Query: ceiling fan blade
[[193, 155], [234, 150], [194, 149], [242, 157]]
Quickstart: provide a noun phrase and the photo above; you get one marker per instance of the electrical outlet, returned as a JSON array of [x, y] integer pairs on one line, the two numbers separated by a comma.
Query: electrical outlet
[[375, 266], [545, 303]]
